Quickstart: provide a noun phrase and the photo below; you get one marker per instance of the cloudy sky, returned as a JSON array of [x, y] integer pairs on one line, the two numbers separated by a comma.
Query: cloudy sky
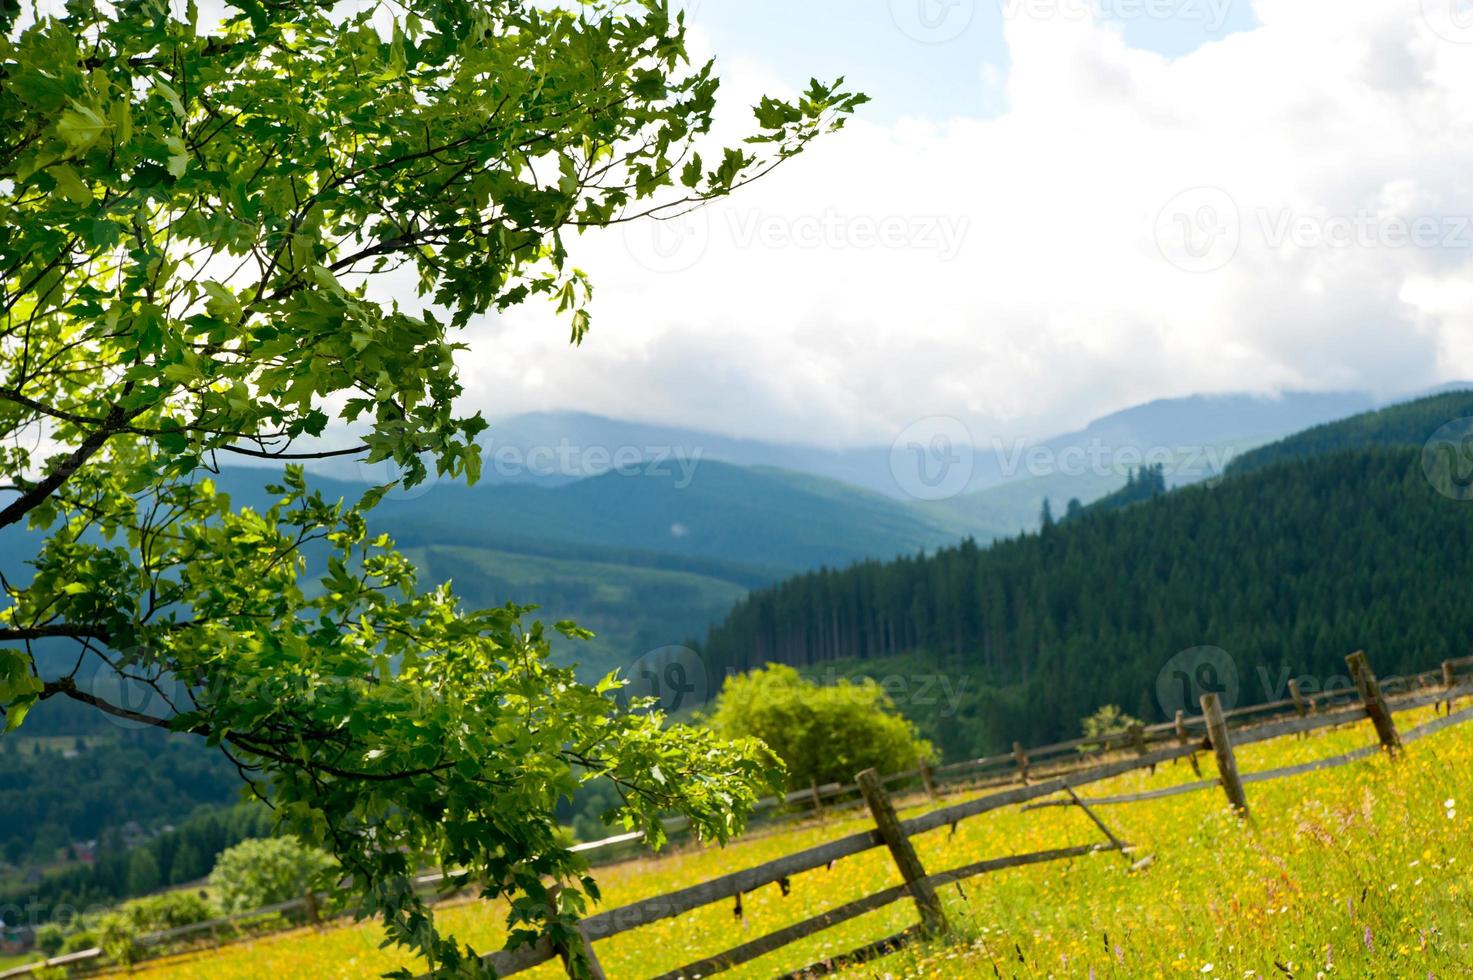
[[1045, 215]]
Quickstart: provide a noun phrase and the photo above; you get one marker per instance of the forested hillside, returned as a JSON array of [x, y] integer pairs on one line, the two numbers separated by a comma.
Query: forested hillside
[[59, 790], [1288, 567], [1407, 424]]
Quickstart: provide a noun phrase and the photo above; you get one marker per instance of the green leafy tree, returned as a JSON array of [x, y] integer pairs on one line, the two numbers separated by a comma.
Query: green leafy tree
[[822, 733], [266, 870], [196, 223]]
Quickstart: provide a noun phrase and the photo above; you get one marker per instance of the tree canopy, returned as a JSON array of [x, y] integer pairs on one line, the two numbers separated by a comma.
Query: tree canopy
[[267, 870], [206, 232]]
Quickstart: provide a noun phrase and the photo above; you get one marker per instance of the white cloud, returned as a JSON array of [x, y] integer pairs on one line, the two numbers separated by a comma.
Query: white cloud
[[834, 303]]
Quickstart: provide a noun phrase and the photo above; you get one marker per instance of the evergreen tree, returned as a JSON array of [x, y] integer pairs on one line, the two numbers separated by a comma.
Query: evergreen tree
[[143, 872]]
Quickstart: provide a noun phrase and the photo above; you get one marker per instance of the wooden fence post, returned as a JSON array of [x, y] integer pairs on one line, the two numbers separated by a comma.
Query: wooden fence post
[[1222, 747], [817, 799], [1299, 704], [1376, 707], [928, 779], [567, 954], [1183, 738], [1449, 681], [1138, 739], [1298, 697], [933, 917], [314, 917], [1021, 758]]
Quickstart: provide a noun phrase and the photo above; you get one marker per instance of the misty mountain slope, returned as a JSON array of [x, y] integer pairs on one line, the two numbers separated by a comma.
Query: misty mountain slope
[[758, 516], [555, 448]]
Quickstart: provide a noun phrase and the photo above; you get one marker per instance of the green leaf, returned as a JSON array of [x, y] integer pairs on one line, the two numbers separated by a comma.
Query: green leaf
[[70, 184], [80, 127], [122, 119], [16, 711], [178, 155]]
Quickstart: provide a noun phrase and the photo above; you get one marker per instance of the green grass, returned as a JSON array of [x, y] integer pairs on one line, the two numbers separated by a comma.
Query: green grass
[[7, 962], [1361, 866]]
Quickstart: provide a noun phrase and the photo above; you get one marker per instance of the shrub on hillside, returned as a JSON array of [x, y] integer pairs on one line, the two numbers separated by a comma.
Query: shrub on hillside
[[118, 938], [171, 910], [825, 734], [1107, 721], [49, 939], [267, 870]]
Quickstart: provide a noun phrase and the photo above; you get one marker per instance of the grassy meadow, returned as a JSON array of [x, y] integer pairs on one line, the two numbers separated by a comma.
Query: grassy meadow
[[1361, 871]]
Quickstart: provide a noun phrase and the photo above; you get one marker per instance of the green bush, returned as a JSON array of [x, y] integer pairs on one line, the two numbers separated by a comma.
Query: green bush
[[170, 910], [118, 938], [267, 870], [823, 734], [49, 939], [79, 940], [1107, 721]]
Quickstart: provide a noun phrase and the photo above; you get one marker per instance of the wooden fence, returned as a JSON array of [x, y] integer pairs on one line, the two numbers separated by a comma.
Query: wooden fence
[[1217, 734], [1034, 774]]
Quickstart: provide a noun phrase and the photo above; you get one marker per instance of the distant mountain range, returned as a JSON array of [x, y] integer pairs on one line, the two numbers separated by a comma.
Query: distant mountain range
[[648, 534], [556, 447]]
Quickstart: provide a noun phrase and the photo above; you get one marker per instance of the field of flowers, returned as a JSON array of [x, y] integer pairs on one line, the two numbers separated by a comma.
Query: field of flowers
[[1360, 871]]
